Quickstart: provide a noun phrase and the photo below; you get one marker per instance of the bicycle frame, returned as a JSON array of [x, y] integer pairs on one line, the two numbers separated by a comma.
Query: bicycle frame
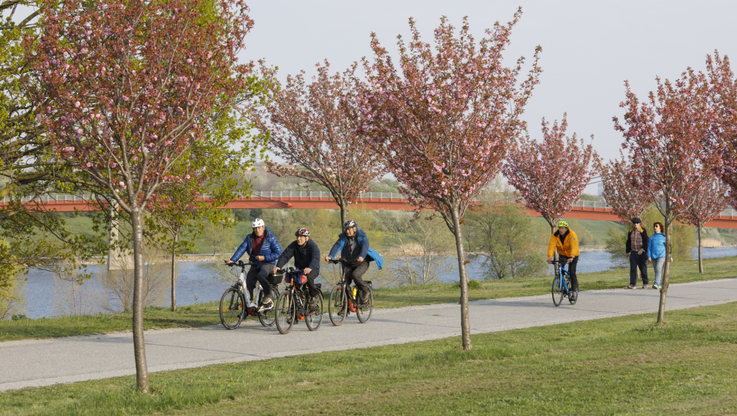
[[242, 287], [564, 278]]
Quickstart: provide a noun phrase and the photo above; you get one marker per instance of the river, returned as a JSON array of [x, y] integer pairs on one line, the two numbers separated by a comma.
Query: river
[[196, 282]]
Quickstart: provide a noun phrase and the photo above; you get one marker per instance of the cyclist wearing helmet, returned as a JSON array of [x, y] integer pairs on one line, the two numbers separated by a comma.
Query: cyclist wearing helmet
[[261, 246], [566, 242], [354, 247], [306, 258]]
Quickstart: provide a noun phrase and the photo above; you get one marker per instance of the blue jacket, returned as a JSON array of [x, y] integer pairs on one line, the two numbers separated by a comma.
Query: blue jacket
[[368, 253], [656, 246], [271, 250]]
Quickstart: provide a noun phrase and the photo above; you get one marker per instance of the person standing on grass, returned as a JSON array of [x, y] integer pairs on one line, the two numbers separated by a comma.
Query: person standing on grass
[[565, 241], [636, 248], [262, 247], [656, 253]]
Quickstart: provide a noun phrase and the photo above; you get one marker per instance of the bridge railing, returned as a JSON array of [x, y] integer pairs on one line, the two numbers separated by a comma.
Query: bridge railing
[[58, 197]]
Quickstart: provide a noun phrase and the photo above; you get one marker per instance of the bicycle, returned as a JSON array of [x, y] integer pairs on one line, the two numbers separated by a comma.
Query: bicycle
[[292, 305], [236, 305], [562, 284], [345, 300]]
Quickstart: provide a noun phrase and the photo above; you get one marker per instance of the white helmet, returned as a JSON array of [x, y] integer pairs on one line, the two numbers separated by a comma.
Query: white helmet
[[258, 222]]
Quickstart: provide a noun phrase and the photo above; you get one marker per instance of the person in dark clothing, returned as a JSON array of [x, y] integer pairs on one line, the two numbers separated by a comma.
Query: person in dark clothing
[[306, 258], [636, 248], [263, 247], [354, 247]]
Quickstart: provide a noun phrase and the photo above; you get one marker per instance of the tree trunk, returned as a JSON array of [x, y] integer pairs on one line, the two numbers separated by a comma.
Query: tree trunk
[[173, 274], [465, 323], [666, 266], [343, 213], [701, 258], [139, 346]]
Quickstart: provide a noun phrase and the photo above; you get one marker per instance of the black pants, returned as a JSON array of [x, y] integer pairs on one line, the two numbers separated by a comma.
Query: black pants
[[260, 274], [311, 282], [638, 260], [354, 273], [571, 270]]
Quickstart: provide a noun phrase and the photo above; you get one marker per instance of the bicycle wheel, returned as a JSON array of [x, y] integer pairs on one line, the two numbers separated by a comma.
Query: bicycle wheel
[[557, 291], [284, 312], [336, 305], [231, 308], [268, 317], [313, 319], [364, 309]]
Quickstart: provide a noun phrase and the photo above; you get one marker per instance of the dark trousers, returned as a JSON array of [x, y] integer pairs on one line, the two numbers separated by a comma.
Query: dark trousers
[[260, 274], [638, 260], [311, 282], [571, 270], [354, 273]]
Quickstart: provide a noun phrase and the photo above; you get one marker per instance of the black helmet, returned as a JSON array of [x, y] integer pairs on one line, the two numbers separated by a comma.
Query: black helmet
[[302, 232], [349, 224]]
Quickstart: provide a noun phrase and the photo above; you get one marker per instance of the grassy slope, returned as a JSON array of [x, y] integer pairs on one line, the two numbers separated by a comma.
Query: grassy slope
[[611, 366]]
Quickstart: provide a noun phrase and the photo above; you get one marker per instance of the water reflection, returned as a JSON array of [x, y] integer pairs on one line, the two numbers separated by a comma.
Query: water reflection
[[197, 282]]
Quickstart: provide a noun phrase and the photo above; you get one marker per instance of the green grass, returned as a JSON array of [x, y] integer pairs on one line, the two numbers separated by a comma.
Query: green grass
[[207, 313], [621, 365], [155, 317]]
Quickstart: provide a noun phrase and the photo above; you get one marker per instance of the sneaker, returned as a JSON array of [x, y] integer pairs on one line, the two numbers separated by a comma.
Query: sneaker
[[341, 312], [313, 302], [657, 287], [266, 305], [631, 287], [364, 297], [644, 287], [574, 296]]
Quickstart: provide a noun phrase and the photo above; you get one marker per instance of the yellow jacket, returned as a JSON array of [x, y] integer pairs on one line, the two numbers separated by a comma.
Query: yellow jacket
[[568, 248]]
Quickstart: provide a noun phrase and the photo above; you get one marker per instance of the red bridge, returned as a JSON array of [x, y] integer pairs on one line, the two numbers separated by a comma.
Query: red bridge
[[587, 210]]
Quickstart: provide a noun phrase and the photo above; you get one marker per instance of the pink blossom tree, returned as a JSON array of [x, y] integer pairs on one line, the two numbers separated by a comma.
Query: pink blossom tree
[[312, 127], [445, 123], [623, 188], [719, 102], [706, 202], [551, 175], [662, 134], [127, 88]]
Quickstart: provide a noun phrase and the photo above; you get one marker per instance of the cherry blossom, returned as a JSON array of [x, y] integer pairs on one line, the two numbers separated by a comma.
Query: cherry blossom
[[444, 123]]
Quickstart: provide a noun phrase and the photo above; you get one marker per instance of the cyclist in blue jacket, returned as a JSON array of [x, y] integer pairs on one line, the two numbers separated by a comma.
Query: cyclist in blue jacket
[[263, 247], [353, 245]]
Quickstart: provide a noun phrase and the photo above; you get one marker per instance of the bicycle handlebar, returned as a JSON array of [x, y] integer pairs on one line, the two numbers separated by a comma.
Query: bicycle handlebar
[[242, 264], [344, 261]]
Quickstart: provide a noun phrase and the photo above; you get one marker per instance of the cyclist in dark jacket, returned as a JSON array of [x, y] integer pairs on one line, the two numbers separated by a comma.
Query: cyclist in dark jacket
[[354, 247], [261, 246], [306, 258]]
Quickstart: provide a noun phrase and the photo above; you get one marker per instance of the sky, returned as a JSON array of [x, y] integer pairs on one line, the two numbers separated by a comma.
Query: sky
[[589, 47]]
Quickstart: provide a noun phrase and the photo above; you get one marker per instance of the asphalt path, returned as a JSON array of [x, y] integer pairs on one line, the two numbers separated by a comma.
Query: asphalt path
[[30, 363]]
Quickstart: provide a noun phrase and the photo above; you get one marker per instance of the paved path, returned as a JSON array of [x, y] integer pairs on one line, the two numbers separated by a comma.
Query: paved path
[[45, 362]]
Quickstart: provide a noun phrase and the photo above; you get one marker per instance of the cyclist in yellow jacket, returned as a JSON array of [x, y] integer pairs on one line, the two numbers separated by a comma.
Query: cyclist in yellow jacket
[[566, 242]]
